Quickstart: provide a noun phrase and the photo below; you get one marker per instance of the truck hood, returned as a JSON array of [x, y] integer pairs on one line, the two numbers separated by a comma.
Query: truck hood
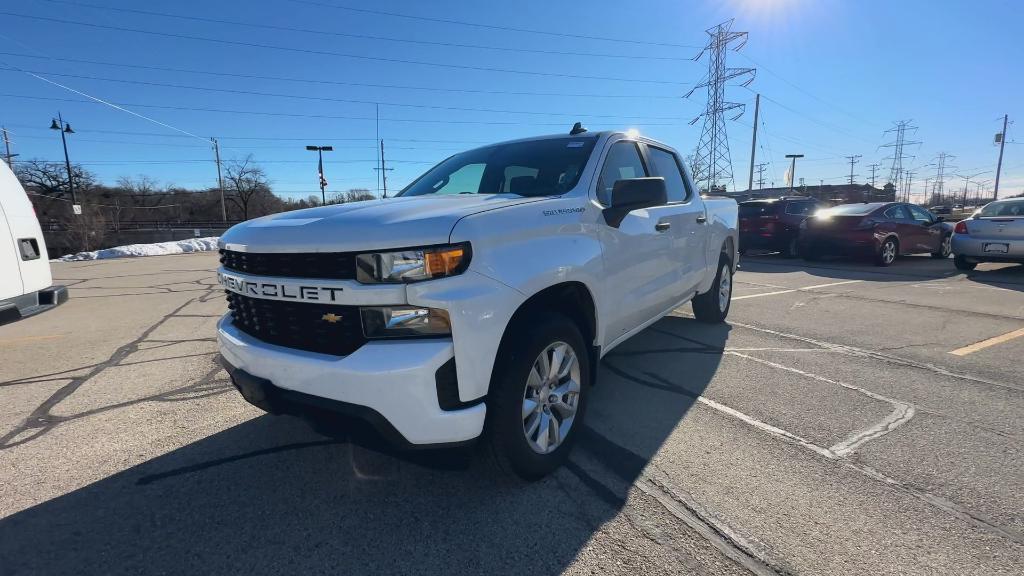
[[369, 225]]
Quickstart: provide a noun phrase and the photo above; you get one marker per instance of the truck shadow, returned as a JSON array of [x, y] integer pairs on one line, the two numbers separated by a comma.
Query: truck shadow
[[271, 496]]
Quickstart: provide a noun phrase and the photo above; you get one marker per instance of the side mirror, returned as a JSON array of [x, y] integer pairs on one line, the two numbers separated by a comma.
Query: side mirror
[[633, 194]]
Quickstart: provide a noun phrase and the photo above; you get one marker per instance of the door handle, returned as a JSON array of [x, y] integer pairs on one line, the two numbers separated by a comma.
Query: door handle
[[662, 226], [702, 219]]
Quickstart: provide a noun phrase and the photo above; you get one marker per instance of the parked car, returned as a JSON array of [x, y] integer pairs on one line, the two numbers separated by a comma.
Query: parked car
[[774, 224], [881, 230], [940, 210], [481, 297], [25, 279], [993, 234]]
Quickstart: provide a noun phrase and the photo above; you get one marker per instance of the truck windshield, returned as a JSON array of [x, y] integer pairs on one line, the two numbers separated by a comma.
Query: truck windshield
[[532, 168]]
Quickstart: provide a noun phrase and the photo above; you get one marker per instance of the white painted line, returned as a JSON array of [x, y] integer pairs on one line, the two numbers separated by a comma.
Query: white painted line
[[902, 411], [791, 290], [773, 430], [989, 342]]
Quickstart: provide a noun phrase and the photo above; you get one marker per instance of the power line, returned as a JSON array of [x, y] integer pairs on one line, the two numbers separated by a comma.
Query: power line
[[328, 116], [491, 26], [340, 82], [344, 100], [364, 36], [338, 54]]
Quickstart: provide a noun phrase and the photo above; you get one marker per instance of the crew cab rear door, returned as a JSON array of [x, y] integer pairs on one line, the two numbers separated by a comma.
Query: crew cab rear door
[[685, 212], [641, 276]]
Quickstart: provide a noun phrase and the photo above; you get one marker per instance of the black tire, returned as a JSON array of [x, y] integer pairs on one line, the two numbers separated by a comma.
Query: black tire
[[887, 252], [962, 263], [792, 249], [520, 349], [708, 307], [742, 251], [945, 249]]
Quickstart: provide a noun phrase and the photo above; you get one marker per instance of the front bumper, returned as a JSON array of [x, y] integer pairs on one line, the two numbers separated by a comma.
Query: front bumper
[[394, 379], [973, 248]]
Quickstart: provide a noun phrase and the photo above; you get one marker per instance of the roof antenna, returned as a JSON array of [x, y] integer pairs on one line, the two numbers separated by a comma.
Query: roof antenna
[[577, 128]]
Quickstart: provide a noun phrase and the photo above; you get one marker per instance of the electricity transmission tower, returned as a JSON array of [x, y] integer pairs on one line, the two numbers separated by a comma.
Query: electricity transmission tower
[[896, 175], [940, 175], [853, 160], [712, 164], [760, 174]]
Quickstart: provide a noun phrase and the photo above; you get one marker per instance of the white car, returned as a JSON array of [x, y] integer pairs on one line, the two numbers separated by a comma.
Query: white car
[[993, 234], [25, 280], [481, 297]]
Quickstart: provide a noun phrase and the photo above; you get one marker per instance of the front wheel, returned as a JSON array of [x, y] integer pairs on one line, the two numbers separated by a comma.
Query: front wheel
[[962, 263], [538, 395], [886, 254], [713, 306], [945, 249]]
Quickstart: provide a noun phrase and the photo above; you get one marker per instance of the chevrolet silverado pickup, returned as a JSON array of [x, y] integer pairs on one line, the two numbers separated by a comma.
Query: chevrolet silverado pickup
[[479, 301]]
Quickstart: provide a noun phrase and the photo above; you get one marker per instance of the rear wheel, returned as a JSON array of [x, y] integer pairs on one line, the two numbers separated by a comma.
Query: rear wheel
[[713, 306], [962, 263], [538, 395], [887, 252], [945, 248]]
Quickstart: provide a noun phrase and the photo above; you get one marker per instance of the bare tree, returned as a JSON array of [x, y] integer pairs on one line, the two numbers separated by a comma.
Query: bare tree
[[247, 184], [51, 178], [353, 195]]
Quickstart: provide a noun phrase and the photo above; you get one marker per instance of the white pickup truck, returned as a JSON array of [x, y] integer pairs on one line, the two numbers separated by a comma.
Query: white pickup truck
[[481, 298]]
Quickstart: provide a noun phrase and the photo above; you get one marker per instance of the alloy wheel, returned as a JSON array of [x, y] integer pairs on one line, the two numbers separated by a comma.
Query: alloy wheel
[[724, 287], [551, 397]]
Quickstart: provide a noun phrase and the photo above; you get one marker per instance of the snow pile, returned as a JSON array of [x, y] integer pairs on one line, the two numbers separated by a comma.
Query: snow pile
[[158, 249]]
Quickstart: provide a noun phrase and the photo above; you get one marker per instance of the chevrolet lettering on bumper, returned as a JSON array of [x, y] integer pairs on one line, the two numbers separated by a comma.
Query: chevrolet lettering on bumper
[[279, 289]]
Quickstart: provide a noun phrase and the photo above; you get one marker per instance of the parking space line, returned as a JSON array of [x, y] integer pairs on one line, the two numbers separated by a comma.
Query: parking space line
[[791, 290], [30, 339], [989, 342]]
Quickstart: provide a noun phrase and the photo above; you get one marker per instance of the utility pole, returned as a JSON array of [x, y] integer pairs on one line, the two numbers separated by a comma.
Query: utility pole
[[853, 160], [383, 169], [220, 181], [712, 160], [906, 184], [999, 166], [753, 141], [792, 169], [320, 170], [760, 174], [7, 147], [874, 169]]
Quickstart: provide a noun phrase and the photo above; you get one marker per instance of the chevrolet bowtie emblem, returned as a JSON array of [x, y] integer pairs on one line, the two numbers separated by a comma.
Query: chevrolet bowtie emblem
[[330, 317]]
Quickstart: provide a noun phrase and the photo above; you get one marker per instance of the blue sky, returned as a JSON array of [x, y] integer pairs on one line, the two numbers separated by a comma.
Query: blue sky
[[833, 75]]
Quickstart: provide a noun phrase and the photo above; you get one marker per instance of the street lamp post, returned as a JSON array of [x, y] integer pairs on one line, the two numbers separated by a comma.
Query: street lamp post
[[320, 169], [792, 169], [65, 128]]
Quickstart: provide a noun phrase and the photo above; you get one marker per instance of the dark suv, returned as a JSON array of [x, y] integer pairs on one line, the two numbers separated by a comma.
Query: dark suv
[[774, 224]]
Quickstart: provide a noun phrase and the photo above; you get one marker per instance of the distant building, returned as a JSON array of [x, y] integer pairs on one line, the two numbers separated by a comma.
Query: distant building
[[832, 194]]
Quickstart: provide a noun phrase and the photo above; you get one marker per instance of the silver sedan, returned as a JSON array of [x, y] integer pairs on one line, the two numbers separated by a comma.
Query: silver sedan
[[993, 234]]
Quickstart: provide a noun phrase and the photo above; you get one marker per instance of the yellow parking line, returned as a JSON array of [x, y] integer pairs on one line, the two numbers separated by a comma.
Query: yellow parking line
[[30, 339], [986, 343]]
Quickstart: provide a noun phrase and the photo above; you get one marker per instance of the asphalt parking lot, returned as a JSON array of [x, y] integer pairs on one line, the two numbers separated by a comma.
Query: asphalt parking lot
[[848, 420]]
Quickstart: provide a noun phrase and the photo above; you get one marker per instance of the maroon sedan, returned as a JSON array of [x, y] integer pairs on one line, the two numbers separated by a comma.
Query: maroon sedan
[[882, 230]]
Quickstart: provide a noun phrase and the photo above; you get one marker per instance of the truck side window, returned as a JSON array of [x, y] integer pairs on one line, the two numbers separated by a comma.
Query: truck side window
[[623, 161], [667, 166]]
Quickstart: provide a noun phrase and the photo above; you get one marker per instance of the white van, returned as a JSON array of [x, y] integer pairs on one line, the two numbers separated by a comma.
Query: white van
[[25, 281]]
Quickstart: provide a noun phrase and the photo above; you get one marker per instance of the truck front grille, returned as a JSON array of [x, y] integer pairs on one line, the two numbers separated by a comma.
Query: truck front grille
[[322, 265], [323, 328]]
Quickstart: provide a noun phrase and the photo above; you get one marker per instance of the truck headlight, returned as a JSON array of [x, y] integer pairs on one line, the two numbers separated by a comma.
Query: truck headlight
[[404, 321], [412, 265]]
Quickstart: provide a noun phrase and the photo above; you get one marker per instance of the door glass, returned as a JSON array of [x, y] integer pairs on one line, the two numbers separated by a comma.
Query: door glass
[[896, 213], [666, 166], [920, 215], [623, 161]]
